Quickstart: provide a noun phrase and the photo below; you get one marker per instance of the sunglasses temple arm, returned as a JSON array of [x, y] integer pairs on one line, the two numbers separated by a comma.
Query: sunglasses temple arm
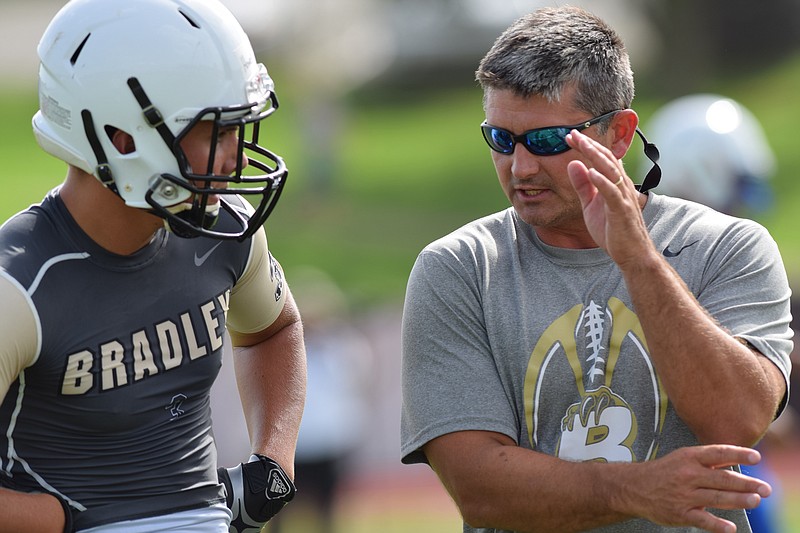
[[653, 177]]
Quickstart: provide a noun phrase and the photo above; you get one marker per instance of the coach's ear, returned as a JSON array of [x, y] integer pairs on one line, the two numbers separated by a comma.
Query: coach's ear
[[621, 131], [122, 140]]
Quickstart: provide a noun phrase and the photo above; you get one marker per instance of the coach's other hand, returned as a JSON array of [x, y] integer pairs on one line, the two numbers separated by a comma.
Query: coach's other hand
[[254, 492]]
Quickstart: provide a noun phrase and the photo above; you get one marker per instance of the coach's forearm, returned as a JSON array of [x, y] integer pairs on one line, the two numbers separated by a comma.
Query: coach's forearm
[[722, 389], [496, 484]]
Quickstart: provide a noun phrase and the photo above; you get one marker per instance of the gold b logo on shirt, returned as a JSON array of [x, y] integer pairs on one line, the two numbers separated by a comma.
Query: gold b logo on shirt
[[602, 350]]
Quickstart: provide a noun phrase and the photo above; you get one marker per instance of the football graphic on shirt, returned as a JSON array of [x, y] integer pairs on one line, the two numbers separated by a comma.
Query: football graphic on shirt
[[602, 350]]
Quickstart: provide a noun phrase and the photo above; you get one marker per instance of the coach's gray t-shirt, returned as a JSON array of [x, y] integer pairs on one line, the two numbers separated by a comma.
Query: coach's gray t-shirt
[[504, 333]]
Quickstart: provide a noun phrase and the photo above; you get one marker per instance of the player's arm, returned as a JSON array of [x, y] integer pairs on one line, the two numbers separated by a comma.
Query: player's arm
[[22, 512], [269, 355], [18, 331], [271, 375], [270, 366], [30, 513], [499, 485]]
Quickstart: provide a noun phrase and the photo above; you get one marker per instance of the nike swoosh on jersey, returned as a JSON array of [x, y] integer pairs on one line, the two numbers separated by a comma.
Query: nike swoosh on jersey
[[199, 260], [673, 253]]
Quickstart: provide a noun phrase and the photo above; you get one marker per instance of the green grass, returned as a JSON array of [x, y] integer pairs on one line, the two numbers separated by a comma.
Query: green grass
[[406, 174]]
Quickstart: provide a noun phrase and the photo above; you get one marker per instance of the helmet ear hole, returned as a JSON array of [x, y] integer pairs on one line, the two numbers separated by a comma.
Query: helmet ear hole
[[122, 140]]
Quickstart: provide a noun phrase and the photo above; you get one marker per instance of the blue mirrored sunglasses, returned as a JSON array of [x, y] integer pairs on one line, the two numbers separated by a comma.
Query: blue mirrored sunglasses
[[552, 141], [540, 141]]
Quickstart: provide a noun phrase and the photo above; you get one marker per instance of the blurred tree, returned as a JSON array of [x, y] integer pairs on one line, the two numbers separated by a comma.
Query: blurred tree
[[704, 40]]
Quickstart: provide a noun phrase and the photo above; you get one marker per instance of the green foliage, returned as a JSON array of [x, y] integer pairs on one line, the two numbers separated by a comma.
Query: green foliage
[[28, 173], [403, 175], [772, 96]]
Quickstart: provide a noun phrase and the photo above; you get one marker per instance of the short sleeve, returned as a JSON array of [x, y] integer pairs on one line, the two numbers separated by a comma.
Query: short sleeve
[[450, 381], [258, 297], [19, 330], [747, 292]]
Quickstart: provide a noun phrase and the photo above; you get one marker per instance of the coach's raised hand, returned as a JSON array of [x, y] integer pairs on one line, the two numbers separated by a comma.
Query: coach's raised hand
[[612, 208]]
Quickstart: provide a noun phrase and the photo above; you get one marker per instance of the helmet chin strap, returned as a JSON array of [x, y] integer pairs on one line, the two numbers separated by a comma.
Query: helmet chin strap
[[188, 213], [103, 169]]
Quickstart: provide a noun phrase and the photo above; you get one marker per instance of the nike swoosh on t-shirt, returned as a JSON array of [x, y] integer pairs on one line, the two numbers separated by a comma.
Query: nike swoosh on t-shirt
[[199, 260], [672, 253]]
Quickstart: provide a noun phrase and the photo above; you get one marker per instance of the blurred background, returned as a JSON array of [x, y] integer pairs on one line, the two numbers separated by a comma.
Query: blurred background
[[379, 126]]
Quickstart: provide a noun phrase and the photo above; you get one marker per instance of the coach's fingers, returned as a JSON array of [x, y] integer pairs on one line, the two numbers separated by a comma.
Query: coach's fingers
[[726, 499], [614, 190], [600, 156], [718, 460], [578, 174], [706, 521], [722, 455]]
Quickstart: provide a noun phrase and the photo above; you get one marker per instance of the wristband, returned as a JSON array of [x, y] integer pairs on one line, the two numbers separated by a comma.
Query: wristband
[[69, 527]]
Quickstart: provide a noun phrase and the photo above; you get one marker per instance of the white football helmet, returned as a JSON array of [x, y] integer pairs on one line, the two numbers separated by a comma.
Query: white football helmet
[[154, 68], [713, 151]]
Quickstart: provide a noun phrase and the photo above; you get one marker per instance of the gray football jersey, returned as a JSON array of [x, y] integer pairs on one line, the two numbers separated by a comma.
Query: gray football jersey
[[111, 358]]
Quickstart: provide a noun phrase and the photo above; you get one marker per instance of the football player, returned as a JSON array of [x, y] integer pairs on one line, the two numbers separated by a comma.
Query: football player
[[120, 284]]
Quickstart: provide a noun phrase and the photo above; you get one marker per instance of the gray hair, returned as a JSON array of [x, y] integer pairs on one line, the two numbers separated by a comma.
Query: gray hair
[[553, 48]]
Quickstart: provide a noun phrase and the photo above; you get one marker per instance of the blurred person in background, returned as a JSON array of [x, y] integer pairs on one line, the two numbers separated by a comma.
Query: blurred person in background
[[119, 285], [715, 152], [597, 356], [340, 363]]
